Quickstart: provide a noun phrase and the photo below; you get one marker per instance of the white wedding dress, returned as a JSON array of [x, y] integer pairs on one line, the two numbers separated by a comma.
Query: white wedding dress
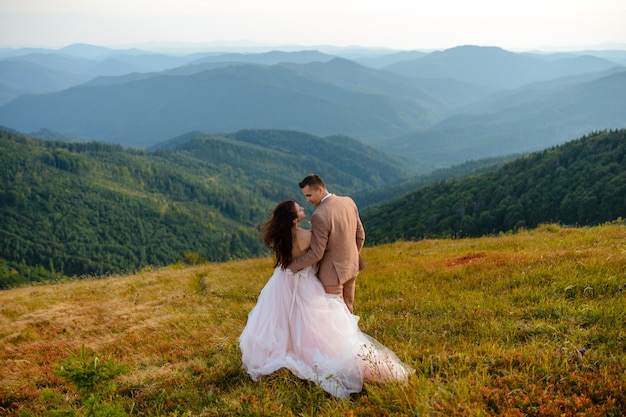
[[296, 325]]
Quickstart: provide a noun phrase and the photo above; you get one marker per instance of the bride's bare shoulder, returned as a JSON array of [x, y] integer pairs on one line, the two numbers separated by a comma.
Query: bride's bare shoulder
[[303, 241]]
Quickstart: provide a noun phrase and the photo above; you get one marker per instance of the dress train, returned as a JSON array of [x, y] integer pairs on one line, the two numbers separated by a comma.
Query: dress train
[[296, 325]]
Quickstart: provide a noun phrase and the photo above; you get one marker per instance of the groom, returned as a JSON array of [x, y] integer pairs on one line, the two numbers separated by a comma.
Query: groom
[[336, 242]]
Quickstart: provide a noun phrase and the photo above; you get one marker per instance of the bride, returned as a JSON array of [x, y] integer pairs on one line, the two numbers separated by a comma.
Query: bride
[[296, 325]]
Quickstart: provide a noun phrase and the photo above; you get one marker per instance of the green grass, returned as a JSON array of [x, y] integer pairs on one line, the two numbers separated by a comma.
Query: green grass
[[492, 326]]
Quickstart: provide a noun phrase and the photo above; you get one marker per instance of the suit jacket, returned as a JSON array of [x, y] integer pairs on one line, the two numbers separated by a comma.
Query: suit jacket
[[336, 242]]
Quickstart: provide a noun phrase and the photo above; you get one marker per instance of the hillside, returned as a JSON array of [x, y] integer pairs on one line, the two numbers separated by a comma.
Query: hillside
[[91, 208], [523, 324], [369, 199], [582, 182]]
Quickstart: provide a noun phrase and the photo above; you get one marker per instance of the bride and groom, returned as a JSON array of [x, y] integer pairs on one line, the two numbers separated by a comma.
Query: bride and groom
[[303, 318]]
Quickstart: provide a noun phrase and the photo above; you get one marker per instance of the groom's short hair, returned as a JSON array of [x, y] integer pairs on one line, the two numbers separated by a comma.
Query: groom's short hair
[[313, 181]]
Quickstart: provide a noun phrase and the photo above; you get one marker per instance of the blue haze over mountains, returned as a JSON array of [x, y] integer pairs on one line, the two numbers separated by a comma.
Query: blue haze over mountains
[[441, 107]]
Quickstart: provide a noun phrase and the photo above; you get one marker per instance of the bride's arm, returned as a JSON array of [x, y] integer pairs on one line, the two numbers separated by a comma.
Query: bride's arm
[[314, 253]]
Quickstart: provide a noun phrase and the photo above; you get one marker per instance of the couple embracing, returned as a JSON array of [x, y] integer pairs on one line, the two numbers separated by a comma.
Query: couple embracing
[[303, 319]]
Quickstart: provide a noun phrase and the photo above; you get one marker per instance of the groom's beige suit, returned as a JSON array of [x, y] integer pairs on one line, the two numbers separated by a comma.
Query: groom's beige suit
[[336, 242]]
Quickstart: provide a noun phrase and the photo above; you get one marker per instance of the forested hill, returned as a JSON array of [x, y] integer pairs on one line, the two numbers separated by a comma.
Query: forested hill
[[93, 208], [582, 182]]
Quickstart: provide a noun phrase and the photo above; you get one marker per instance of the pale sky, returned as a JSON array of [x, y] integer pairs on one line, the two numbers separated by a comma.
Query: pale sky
[[397, 24]]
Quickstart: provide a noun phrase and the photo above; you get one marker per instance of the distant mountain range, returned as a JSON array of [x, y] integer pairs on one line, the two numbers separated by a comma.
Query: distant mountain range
[[142, 112], [495, 68], [528, 119], [439, 108]]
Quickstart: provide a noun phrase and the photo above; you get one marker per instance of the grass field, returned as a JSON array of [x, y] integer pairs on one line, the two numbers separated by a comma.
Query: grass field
[[532, 323]]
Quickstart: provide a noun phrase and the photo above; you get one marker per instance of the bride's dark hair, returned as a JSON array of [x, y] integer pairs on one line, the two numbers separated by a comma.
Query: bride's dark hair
[[276, 232]]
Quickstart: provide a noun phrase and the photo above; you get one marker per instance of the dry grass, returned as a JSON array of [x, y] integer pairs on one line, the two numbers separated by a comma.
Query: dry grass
[[493, 326]]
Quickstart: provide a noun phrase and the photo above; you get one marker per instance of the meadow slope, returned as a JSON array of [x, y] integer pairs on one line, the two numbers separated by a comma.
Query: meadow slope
[[530, 323]]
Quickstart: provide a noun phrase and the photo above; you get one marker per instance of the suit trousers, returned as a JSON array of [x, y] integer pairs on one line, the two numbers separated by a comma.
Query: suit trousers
[[346, 291]]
